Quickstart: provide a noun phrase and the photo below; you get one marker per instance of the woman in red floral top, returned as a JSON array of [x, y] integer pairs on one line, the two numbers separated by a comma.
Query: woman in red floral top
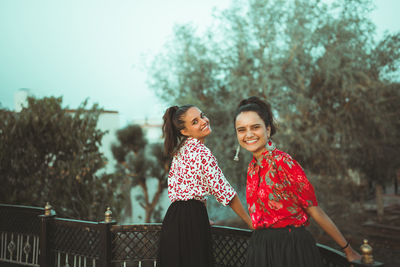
[[279, 196], [185, 239]]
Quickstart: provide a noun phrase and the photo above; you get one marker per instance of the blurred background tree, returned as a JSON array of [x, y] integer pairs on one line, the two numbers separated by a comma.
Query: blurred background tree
[[137, 163], [50, 154], [334, 89]]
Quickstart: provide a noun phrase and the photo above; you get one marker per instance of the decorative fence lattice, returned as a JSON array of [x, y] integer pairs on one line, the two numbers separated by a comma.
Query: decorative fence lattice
[[29, 238], [135, 244], [138, 244], [230, 246], [75, 241], [19, 235]]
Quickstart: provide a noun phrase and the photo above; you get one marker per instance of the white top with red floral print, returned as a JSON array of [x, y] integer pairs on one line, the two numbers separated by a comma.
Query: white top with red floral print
[[194, 174]]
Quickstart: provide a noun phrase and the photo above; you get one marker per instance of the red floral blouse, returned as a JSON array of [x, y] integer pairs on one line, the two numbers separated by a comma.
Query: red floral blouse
[[194, 174], [278, 191]]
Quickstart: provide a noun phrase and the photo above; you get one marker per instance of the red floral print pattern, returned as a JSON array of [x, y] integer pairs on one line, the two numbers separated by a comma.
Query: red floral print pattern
[[194, 174], [278, 191]]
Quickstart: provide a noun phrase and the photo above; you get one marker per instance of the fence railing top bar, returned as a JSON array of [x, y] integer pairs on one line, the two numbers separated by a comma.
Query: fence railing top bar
[[77, 223], [21, 207], [232, 229]]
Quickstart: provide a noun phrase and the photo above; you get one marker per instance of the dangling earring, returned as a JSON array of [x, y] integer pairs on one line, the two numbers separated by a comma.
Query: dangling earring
[[236, 158], [270, 146]]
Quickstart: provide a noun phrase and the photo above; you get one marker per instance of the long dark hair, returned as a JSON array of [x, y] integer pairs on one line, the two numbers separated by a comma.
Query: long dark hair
[[173, 124], [262, 108]]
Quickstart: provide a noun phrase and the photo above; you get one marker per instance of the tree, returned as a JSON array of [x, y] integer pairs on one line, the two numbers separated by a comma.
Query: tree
[[136, 164], [48, 154], [329, 82]]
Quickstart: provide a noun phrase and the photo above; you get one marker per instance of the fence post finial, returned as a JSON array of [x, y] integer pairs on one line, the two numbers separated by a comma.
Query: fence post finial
[[366, 251], [108, 215], [47, 209]]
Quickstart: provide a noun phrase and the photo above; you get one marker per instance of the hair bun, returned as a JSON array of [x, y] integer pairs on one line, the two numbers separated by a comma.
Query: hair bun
[[255, 101]]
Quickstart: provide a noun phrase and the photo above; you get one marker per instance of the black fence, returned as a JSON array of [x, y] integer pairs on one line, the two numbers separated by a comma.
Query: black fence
[[31, 236]]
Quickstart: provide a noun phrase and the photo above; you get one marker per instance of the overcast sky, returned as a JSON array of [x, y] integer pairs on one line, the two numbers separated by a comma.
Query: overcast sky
[[95, 49]]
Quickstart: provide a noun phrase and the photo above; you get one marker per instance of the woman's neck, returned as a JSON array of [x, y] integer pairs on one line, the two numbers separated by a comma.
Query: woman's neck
[[258, 154], [201, 140]]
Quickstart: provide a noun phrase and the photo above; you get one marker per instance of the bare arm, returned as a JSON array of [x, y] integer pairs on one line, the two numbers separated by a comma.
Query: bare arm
[[330, 228], [237, 207]]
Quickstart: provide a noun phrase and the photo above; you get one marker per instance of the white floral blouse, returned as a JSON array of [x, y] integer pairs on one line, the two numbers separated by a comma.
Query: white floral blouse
[[194, 174]]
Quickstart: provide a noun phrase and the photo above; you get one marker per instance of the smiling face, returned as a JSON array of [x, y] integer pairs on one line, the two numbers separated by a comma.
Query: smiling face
[[197, 125], [252, 133]]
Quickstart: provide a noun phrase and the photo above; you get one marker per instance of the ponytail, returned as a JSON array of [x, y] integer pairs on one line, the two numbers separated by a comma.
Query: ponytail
[[172, 126], [170, 137], [262, 108]]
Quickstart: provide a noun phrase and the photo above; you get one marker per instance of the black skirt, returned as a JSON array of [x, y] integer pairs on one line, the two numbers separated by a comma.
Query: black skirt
[[283, 247], [185, 239]]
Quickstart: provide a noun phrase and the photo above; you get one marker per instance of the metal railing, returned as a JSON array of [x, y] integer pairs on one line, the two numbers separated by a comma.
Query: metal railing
[[31, 236]]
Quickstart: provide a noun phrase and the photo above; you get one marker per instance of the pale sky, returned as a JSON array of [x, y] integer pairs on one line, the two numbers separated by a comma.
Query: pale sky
[[96, 49]]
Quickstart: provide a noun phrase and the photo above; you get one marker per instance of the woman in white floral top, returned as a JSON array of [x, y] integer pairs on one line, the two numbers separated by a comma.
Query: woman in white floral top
[[194, 173]]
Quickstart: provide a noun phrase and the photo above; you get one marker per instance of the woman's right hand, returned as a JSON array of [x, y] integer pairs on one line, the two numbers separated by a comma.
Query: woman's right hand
[[237, 207]]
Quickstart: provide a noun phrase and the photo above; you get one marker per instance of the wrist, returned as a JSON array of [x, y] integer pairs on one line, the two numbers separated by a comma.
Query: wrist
[[345, 246], [348, 250]]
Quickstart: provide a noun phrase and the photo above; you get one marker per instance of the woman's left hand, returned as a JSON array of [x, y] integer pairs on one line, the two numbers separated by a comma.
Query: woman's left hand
[[351, 254]]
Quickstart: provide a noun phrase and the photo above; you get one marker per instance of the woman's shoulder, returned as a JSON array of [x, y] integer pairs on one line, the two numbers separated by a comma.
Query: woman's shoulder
[[281, 157], [277, 155], [285, 159]]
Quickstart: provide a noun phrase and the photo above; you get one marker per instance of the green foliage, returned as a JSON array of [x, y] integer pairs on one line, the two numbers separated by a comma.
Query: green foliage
[[50, 154], [131, 139], [136, 163], [330, 84]]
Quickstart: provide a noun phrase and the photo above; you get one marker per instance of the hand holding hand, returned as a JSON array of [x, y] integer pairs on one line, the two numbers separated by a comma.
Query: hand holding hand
[[250, 225]]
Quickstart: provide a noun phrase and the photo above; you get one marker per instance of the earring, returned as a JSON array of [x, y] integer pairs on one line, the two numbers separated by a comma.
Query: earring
[[236, 158], [270, 146]]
